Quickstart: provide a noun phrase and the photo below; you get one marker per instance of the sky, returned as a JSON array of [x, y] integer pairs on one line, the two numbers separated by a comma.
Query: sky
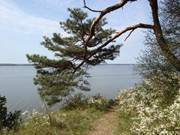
[[23, 23]]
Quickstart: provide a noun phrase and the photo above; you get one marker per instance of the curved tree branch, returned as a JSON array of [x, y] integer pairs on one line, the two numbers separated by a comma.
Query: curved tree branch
[[164, 45], [118, 34], [101, 15], [130, 28]]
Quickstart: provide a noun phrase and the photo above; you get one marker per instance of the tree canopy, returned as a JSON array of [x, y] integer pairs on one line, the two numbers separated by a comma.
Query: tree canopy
[[163, 43], [56, 78], [153, 65], [153, 60], [88, 42]]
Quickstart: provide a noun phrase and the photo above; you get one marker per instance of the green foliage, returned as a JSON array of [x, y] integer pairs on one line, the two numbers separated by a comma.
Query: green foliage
[[125, 122], [170, 20], [57, 77], [80, 101], [153, 107], [77, 101], [64, 122], [8, 120], [75, 118], [164, 87], [101, 103], [153, 66], [152, 60]]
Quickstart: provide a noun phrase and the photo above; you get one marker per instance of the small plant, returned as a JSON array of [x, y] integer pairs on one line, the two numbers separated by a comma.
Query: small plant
[[76, 101], [80, 101], [9, 120], [101, 103], [63, 122]]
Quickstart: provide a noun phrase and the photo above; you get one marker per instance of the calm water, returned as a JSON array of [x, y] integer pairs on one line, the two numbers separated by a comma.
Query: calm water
[[16, 83]]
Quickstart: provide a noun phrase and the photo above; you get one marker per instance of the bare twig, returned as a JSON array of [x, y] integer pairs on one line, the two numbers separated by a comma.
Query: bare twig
[[129, 34], [85, 6]]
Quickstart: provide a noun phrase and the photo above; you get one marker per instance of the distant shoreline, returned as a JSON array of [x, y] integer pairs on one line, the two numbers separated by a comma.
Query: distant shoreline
[[16, 64], [32, 64]]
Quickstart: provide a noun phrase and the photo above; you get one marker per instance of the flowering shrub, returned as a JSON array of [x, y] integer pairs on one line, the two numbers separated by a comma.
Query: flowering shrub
[[150, 115], [153, 120], [163, 86]]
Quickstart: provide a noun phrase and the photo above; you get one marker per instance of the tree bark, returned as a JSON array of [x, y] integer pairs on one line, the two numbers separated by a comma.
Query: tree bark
[[163, 43]]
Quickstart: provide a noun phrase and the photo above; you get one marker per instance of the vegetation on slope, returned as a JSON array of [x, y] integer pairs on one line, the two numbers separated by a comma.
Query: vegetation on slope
[[76, 118]]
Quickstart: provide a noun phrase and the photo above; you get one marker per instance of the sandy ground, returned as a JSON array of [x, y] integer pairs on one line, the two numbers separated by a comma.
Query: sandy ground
[[105, 125]]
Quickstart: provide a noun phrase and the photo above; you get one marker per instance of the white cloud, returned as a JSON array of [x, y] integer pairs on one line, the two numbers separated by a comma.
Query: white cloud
[[14, 18]]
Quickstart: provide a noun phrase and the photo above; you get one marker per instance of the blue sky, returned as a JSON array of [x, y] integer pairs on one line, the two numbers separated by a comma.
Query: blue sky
[[23, 23]]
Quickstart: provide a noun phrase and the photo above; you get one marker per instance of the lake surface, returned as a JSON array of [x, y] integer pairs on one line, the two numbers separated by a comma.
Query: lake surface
[[16, 83]]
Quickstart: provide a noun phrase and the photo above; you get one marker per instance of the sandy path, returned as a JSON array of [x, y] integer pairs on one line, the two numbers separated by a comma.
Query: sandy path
[[105, 125]]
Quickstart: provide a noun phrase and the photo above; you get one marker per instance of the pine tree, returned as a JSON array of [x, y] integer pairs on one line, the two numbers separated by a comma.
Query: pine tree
[[57, 78]]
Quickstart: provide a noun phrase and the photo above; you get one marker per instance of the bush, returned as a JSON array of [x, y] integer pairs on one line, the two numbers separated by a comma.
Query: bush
[[149, 117], [80, 101], [8, 120], [163, 86], [101, 103], [155, 120], [76, 101]]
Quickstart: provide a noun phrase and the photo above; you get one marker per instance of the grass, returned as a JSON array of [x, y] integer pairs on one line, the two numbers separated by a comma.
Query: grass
[[76, 118], [124, 123], [71, 122]]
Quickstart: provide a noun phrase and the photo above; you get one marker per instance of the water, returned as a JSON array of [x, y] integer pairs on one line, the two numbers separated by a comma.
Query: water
[[16, 83]]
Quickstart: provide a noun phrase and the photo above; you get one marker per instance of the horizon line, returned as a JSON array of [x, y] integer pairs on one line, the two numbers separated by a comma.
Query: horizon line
[[11, 64]]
